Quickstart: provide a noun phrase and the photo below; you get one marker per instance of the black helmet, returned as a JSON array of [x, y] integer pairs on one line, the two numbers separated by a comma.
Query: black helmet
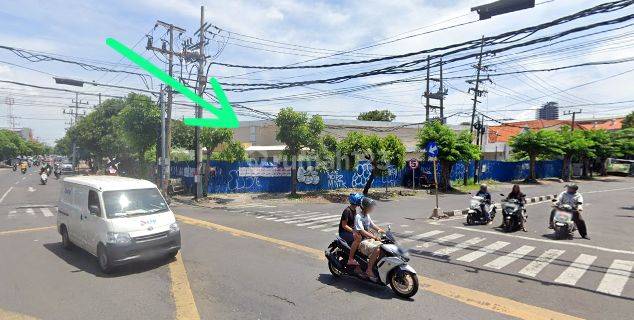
[[367, 203], [573, 187]]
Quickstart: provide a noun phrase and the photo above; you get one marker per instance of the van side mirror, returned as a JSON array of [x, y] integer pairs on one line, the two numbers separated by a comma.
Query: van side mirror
[[94, 209]]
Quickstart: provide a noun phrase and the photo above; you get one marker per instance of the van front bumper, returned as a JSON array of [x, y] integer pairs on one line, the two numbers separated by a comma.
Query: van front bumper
[[142, 248]]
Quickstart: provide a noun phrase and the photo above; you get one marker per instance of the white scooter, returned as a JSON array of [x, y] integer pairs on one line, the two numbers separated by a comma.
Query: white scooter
[[43, 178]]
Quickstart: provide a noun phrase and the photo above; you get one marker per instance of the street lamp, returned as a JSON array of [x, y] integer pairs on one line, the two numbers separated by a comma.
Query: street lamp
[[499, 7]]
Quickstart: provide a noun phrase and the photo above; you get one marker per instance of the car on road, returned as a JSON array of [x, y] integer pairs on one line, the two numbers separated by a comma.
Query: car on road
[[116, 219], [67, 167]]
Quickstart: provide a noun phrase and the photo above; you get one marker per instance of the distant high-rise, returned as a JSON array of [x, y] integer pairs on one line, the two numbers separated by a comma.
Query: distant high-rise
[[549, 111]]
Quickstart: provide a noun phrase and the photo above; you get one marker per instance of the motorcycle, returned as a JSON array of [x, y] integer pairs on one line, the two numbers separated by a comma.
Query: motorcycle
[[23, 169], [475, 214], [43, 178], [563, 224], [513, 217], [392, 267], [57, 172], [15, 167]]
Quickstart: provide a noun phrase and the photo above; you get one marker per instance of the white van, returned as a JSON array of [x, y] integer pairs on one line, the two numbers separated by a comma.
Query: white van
[[116, 219]]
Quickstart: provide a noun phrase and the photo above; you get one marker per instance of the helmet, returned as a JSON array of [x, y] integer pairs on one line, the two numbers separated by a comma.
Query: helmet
[[355, 199], [573, 187], [483, 186], [367, 203]]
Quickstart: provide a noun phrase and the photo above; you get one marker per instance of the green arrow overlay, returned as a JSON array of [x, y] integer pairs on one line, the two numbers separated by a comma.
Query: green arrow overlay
[[225, 117]]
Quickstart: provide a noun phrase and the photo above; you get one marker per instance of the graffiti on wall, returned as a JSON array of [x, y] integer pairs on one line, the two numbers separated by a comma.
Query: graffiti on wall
[[392, 177], [361, 175], [240, 183], [335, 180], [264, 172], [308, 175]]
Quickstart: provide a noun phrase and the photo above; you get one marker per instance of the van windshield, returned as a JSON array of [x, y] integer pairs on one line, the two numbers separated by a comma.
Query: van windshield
[[125, 203]]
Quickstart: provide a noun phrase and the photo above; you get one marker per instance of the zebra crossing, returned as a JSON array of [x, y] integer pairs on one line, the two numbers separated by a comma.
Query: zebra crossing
[[613, 280], [533, 262], [32, 211]]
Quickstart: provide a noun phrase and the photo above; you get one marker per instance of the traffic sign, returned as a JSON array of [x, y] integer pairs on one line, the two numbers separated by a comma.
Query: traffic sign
[[432, 149], [413, 163]]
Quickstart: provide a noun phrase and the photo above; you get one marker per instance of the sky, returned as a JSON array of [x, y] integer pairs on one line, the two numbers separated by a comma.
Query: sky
[[285, 32]]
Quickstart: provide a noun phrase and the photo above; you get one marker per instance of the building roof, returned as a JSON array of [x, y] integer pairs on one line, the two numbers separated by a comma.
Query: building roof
[[105, 183], [504, 132]]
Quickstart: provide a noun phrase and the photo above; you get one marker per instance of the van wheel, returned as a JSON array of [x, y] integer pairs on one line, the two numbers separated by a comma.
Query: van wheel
[[103, 259], [172, 255], [66, 243]]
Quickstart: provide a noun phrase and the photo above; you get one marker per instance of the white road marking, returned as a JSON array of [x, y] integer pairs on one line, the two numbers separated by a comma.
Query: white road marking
[[504, 261], [575, 271], [608, 190], [308, 218], [23, 178], [616, 277], [559, 242], [326, 223], [472, 256], [441, 240], [17, 182], [421, 236], [463, 245], [5, 194], [31, 189], [30, 211], [408, 232], [318, 220], [537, 265], [46, 212], [293, 217]]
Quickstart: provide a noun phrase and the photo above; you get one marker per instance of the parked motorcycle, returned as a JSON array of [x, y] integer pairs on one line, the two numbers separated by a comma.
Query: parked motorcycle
[[563, 224], [392, 268], [513, 217], [43, 178], [475, 214]]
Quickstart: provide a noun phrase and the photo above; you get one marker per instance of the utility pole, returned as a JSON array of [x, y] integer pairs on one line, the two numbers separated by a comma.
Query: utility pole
[[169, 50], [201, 89], [574, 114], [477, 92], [161, 168], [74, 113], [439, 95], [10, 102]]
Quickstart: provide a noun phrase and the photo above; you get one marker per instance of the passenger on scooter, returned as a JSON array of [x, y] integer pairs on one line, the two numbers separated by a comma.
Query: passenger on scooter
[[516, 194], [484, 207], [574, 199], [370, 245], [346, 226]]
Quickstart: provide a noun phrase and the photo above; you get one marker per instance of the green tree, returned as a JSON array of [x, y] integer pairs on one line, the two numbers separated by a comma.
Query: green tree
[[604, 147], [182, 135], [628, 122], [574, 144], [233, 151], [452, 147], [377, 115], [297, 131], [211, 138], [8, 149], [534, 144], [140, 123], [380, 152], [624, 143]]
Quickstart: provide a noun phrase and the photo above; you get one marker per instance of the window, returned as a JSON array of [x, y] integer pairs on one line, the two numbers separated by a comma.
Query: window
[[126, 203], [93, 200]]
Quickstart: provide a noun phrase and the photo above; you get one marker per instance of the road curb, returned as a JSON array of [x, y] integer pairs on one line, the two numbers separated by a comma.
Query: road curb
[[463, 212]]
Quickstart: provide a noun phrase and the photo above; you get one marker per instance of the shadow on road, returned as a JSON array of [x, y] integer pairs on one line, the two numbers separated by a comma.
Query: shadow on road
[[349, 284], [85, 262]]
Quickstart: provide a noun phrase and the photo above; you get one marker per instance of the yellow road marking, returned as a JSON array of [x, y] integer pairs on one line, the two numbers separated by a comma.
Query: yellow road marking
[[8, 315], [471, 297], [2, 233], [182, 292]]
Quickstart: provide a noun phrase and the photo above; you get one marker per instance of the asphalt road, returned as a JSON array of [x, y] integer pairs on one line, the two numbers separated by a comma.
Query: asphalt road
[[261, 261]]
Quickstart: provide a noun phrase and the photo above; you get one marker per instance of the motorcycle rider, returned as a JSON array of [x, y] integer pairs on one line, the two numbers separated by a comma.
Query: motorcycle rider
[[371, 244], [521, 199], [346, 226], [484, 193], [23, 165], [574, 199]]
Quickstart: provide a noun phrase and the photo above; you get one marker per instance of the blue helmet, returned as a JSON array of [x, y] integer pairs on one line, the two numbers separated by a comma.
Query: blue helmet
[[355, 199]]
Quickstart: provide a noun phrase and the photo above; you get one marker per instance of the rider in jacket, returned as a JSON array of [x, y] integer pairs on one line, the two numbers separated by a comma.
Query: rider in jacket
[[574, 199]]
